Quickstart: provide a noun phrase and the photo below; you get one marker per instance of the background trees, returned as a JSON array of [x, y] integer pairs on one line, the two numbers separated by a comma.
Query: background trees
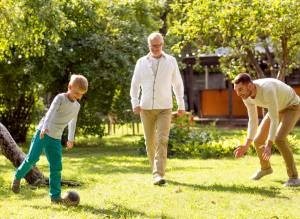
[[44, 42], [254, 31]]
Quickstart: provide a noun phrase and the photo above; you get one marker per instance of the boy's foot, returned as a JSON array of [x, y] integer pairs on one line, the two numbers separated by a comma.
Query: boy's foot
[[15, 185], [261, 173], [158, 180], [292, 183], [62, 201], [58, 201]]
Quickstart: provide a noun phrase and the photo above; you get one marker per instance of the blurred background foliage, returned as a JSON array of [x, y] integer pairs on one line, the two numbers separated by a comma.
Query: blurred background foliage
[[43, 42]]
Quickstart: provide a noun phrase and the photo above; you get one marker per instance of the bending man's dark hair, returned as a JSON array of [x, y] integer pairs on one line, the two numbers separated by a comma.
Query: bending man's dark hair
[[242, 78]]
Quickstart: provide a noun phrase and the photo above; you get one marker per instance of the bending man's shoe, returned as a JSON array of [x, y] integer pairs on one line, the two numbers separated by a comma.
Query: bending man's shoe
[[292, 183], [261, 173]]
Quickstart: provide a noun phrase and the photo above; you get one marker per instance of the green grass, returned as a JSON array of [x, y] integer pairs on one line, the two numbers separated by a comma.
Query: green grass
[[117, 184]]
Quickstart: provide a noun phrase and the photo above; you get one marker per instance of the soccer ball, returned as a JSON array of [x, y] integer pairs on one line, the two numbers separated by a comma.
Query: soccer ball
[[72, 198]]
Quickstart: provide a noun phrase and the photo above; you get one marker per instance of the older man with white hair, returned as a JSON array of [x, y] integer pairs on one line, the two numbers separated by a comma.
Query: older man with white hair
[[156, 75]]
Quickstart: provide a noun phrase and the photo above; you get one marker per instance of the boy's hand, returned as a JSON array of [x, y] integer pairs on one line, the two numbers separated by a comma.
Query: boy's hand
[[42, 133], [70, 144]]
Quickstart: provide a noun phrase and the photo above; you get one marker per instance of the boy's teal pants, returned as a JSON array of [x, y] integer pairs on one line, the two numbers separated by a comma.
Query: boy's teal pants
[[53, 151]]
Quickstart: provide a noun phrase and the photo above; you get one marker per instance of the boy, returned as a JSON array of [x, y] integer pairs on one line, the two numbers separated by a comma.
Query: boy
[[62, 112]]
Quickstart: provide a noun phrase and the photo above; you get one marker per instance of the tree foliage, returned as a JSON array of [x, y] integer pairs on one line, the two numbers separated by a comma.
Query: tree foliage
[[242, 26], [44, 42]]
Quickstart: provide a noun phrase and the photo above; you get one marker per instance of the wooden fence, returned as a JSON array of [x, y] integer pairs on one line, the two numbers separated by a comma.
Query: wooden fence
[[224, 103]]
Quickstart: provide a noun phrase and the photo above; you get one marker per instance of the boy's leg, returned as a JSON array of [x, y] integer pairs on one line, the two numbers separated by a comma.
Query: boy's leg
[[289, 118], [36, 148], [53, 150]]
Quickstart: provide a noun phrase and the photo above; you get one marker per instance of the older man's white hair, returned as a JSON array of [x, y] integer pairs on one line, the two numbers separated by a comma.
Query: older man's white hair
[[155, 35]]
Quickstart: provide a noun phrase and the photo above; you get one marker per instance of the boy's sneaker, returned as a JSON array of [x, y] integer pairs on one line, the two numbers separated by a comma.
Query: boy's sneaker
[[292, 183], [58, 201], [61, 201], [15, 185], [158, 180], [261, 173]]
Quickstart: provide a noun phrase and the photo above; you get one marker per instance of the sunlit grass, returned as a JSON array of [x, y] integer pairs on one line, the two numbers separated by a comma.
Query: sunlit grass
[[116, 183]]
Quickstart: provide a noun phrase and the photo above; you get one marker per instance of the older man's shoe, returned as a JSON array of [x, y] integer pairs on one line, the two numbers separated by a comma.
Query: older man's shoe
[[158, 180], [261, 173]]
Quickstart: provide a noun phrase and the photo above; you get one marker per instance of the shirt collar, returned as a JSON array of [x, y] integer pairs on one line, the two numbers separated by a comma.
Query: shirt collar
[[149, 55]]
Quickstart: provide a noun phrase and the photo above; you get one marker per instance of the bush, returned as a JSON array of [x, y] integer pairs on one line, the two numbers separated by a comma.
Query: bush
[[188, 140]]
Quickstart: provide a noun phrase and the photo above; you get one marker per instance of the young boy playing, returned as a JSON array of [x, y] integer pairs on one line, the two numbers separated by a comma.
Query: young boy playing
[[62, 112]]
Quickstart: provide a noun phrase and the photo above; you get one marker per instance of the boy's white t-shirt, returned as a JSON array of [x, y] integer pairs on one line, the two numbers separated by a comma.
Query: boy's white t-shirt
[[62, 112]]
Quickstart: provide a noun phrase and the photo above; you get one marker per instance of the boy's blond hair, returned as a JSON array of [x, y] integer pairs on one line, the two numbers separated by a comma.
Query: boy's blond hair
[[80, 81]]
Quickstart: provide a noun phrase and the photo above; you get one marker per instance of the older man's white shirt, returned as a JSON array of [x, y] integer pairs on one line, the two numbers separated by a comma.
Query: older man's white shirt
[[156, 79]]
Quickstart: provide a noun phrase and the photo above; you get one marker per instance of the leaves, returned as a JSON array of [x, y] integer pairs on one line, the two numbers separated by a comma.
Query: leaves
[[241, 26]]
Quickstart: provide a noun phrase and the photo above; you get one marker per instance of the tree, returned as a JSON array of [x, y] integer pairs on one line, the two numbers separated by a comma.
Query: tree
[[50, 40], [27, 27], [242, 26], [11, 151]]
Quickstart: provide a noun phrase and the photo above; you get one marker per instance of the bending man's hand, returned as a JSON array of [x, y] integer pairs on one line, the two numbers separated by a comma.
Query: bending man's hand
[[240, 151]]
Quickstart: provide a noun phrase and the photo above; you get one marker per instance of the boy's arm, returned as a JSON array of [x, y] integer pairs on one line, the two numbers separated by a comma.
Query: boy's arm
[[71, 129], [49, 115], [71, 132]]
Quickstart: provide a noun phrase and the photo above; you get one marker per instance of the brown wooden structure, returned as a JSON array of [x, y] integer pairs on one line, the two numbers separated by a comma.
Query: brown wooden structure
[[217, 99]]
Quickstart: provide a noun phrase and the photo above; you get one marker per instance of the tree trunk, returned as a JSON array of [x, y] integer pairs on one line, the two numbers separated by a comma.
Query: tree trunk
[[254, 64], [11, 151], [164, 17], [284, 62], [271, 62], [18, 117]]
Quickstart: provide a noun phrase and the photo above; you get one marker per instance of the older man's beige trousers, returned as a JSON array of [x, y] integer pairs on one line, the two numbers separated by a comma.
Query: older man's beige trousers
[[156, 124], [288, 119]]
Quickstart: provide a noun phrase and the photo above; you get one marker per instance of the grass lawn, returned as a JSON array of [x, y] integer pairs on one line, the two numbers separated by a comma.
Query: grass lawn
[[117, 184]]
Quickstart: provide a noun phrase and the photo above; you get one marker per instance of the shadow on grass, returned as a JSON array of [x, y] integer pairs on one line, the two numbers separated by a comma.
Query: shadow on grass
[[269, 192], [114, 211], [297, 188]]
